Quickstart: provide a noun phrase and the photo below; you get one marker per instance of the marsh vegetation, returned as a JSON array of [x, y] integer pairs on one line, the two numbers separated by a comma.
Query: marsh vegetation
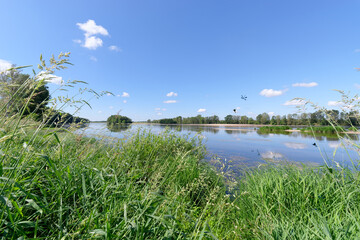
[[56, 184]]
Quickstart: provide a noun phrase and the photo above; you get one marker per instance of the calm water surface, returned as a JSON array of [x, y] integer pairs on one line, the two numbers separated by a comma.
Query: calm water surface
[[243, 146]]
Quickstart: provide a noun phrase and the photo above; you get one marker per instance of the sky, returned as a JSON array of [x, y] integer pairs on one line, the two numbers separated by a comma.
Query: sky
[[167, 58]]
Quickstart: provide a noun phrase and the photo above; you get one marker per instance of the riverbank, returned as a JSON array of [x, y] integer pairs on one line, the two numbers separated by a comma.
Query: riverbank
[[150, 186]]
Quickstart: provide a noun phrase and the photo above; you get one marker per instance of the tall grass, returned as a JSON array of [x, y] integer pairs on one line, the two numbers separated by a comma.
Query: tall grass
[[55, 184]]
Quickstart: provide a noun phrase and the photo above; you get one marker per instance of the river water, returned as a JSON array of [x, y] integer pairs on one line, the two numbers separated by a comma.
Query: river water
[[240, 147]]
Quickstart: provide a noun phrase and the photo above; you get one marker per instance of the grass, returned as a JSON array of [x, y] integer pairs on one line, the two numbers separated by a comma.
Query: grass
[[274, 128], [58, 185], [55, 184], [324, 129]]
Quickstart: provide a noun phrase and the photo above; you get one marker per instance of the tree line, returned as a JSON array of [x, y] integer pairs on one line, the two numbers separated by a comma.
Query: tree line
[[315, 118], [20, 94]]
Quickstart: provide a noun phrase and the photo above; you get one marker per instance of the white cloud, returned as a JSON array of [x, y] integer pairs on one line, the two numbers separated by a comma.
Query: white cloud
[[111, 107], [92, 42], [171, 94], [115, 48], [311, 84], [50, 78], [295, 102], [164, 109], [125, 101], [201, 110], [118, 95], [271, 92], [99, 111], [271, 113], [4, 65], [77, 41], [108, 94], [92, 58], [170, 101], [237, 108], [334, 103], [90, 28], [125, 94], [159, 114]]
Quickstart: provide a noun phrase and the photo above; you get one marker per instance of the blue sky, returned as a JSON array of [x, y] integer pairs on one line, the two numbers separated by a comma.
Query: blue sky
[[203, 54]]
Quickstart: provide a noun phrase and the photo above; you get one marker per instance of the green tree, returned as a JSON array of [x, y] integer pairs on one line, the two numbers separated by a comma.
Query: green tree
[[229, 119], [22, 93]]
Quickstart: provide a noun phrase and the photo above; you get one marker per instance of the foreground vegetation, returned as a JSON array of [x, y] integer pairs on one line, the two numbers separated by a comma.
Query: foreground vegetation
[[55, 184], [61, 185]]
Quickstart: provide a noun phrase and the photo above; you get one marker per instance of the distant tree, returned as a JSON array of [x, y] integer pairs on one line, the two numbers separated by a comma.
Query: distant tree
[[244, 119], [229, 119], [278, 119], [118, 119], [273, 120], [265, 118]]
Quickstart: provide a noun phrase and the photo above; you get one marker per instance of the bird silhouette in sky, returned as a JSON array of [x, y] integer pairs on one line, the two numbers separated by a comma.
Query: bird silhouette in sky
[[243, 97]]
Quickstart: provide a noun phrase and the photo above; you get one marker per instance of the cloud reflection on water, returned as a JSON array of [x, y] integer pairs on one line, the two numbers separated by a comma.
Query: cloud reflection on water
[[295, 145]]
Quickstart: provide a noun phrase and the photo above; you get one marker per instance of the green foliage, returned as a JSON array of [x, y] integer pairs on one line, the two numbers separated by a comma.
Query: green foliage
[[324, 129], [118, 119], [274, 128], [353, 129], [22, 93]]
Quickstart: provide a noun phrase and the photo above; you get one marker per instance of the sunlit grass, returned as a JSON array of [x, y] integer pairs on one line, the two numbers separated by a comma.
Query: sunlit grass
[[55, 184]]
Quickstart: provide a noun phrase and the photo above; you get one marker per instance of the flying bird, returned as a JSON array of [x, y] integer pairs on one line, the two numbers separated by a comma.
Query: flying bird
[[314, 144], [243, 97]]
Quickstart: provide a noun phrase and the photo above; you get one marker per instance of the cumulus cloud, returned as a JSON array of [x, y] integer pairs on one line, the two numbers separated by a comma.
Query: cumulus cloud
[[90, 29], [295, 102], [170, 101], [125, 101], [4, 65], [272, 92], [201, 110], [92, 58], [125, 94], [311, 84], [50, 78], [114, 48], [271, 113], [334, 103], [171, 94], [92, 42]]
